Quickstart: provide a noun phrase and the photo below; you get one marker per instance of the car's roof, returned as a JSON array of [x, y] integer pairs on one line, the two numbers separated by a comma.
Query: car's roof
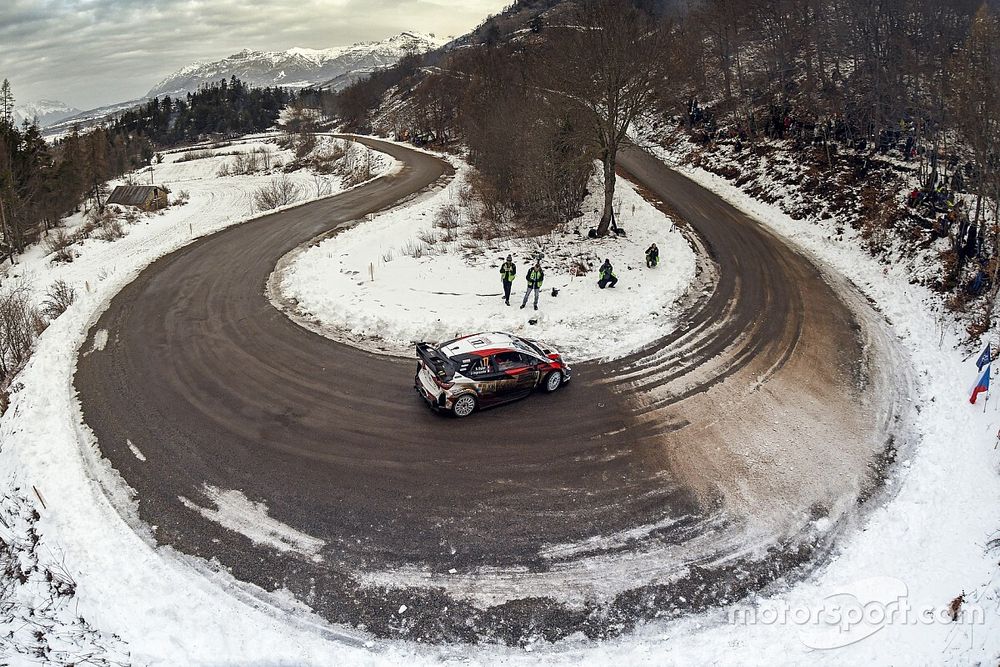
[[483, 344]]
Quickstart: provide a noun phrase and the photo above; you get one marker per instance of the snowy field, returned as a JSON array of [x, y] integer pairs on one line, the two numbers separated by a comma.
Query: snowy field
[[401, 277], [87, 574], [144, 604], [215, 202]]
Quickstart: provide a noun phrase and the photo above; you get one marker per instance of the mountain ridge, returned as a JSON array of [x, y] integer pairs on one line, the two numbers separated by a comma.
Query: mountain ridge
[[298, 67], [46, 112]]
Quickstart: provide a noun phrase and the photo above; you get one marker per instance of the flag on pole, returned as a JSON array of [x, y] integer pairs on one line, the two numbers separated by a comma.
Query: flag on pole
[[983, 385], [984, 358]]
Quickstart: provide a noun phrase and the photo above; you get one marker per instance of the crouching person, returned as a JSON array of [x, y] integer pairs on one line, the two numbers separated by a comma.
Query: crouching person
[[652, 256], [607, 277]]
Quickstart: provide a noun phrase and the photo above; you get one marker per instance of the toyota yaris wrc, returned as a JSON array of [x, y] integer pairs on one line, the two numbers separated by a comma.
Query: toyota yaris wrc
[[485, 369]]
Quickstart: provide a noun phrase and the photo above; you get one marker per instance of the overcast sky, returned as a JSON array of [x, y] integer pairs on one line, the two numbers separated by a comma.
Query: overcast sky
[[93, 52]]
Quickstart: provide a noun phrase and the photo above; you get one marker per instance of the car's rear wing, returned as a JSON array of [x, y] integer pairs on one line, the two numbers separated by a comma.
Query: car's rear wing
[[432, 357]]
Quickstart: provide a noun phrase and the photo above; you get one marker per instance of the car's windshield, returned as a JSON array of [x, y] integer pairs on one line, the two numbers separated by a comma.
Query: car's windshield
[[528, 346]]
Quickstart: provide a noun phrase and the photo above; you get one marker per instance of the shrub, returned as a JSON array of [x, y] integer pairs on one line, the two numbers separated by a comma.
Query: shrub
[[59, 245], [20, 324], [190, 156], [428, 236], [304, 145], [414, 250], [358, 168], [110, 229], [448, 219], [281, 191], [182, 197], [58, 298]]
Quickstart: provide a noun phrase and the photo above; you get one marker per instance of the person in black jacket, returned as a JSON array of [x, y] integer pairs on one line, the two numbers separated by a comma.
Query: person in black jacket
[[652, 256]]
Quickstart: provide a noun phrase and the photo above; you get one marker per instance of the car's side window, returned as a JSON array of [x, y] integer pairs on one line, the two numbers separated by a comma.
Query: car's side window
[[509, 360]]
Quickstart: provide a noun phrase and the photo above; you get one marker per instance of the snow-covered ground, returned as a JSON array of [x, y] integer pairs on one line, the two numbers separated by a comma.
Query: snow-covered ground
[[928, 544], [87, 574], [935, 540], [214, 202], [400, 277]]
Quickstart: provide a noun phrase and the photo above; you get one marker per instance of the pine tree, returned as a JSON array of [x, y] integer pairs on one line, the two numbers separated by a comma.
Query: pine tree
[[6, 104]]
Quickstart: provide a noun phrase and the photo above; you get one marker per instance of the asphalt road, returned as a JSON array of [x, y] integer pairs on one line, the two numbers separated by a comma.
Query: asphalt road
[[758, 415]]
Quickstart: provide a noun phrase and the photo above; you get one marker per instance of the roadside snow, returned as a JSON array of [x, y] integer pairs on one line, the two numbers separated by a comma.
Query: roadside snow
[[926, 545], [162, 606], [400, 278], [934, 540]]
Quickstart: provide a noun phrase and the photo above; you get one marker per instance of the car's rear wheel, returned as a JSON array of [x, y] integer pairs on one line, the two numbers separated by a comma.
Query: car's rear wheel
[[553, 381], [464, 405]]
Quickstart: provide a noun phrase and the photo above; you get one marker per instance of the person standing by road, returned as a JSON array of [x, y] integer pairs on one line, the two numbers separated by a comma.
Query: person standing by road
[[607, 277], [507, 272], [535, 277]]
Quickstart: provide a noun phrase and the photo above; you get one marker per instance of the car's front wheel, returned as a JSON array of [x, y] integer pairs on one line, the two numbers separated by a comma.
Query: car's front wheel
[[553, 381], [464, 405]]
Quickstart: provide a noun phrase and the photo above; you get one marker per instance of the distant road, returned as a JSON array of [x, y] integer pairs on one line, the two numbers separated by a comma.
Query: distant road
[[749, 413]]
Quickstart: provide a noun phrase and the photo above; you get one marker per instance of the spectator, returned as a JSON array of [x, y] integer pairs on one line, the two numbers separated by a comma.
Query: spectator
[[607, 275], [507, 272], [652, 256], [535, 277]]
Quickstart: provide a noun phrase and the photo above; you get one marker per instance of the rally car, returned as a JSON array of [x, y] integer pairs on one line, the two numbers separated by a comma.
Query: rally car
[[485, 369]]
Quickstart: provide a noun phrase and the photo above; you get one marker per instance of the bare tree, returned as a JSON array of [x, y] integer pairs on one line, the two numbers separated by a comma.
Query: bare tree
[[976, 100], [20, 324], [609, 62], [281, 191]]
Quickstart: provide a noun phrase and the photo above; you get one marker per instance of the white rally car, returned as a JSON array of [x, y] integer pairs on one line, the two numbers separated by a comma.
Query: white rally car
[[485, 369]]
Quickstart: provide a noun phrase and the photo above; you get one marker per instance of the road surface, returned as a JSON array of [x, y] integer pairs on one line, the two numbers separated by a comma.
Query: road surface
[[300, 463]]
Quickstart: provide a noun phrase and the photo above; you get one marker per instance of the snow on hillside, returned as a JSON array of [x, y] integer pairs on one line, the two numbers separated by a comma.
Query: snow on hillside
[[400, 277], [297, 67], [46, 112], [61, 589]]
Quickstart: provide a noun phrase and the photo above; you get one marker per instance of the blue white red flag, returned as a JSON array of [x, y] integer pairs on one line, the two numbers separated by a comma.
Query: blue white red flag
[[983, 385]]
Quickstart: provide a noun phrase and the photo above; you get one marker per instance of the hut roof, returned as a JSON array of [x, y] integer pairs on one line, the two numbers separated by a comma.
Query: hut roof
[[133, 195]]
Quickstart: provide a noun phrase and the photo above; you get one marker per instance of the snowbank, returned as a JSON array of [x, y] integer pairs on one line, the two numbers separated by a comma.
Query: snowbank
[[401, 277], [933, 541], [149, 597]]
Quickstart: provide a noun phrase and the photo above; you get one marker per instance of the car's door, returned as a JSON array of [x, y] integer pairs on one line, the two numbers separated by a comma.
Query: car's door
[[520, 368], [492, 385]]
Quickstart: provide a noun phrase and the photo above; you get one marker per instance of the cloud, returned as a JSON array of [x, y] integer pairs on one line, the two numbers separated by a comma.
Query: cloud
[[93, 52]]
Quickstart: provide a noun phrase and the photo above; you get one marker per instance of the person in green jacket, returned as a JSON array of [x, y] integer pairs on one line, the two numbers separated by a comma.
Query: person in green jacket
[[652, 256], [607, 275], [507, 272], [535, 277]]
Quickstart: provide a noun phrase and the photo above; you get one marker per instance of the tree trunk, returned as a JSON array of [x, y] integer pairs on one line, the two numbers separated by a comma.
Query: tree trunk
[[609, 159], [7, 236]]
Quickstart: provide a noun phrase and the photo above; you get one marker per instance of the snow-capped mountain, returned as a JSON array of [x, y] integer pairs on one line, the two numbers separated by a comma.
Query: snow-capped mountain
[[46, 112], [297, 68]]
